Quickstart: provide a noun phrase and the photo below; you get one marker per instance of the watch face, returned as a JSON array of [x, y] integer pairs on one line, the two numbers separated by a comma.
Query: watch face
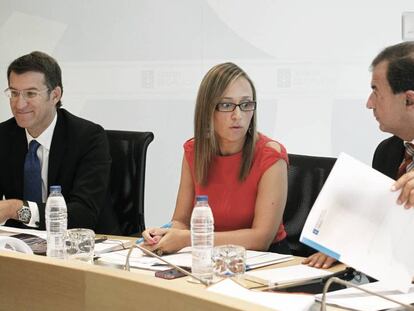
[[24, 214]]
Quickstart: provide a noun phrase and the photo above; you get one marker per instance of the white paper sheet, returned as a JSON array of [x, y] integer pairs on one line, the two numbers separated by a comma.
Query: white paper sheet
[[288, 274], [355, 299], [254, 259], [139, 260], [275, 301], [111, 245], [39, 233], [356, 220], [136, 260]]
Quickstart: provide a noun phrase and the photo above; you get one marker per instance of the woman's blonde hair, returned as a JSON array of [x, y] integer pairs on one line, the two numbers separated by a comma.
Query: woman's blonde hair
[[211, 90]]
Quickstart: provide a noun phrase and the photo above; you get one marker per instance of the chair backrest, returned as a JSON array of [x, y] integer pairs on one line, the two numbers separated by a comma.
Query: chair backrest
[[127, 182], [306, 176]]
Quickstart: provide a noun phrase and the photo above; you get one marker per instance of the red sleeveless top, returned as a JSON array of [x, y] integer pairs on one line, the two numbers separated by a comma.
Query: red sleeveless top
[[233, 202]]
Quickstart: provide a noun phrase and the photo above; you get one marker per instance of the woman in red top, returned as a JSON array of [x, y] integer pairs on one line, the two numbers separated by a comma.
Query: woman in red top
[[243, 172]]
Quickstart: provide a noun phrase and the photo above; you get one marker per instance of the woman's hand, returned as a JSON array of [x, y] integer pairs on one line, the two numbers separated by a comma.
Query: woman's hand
[[319, 260], [166, 241]]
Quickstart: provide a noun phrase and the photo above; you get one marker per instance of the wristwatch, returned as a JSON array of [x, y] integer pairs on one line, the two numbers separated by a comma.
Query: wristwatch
[[24, 214]]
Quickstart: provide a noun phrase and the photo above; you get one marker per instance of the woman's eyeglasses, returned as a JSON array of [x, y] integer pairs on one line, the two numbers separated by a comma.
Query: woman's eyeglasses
[[229, 107]]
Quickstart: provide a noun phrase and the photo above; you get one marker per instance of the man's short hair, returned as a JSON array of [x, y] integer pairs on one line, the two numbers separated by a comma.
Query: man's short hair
[[400, 71], [39, 62]]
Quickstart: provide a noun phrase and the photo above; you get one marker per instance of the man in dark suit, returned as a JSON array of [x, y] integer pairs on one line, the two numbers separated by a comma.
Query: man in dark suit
[[72, 152], [392, 102]]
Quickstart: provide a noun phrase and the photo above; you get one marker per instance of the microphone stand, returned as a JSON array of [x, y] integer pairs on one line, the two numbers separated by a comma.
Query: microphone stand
[[149, 253], [349, 284]]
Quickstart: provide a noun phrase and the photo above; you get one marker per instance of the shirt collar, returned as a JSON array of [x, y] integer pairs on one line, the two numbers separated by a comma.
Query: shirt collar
[[45, 139]]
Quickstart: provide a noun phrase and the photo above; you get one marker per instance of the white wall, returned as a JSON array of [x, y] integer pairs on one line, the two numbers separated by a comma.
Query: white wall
[[137, 64]]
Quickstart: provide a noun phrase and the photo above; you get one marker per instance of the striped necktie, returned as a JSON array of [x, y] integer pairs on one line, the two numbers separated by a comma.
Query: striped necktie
[[32, 175], [407, 164]]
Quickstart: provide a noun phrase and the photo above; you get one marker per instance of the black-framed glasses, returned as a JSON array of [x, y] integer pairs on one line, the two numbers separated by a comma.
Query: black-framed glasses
[[27, 94], [229, 107]]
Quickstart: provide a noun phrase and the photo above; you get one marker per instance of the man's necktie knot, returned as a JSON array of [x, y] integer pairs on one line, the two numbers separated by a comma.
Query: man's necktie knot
[[407, 163]]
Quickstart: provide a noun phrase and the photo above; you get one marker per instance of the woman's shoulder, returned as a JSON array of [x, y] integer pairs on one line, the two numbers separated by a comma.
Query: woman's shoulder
[[189, 145], [269, 143], [271, 147]]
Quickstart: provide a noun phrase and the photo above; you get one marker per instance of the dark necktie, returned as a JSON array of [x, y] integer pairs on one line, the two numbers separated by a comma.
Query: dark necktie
[[32, 175], [407, 164]]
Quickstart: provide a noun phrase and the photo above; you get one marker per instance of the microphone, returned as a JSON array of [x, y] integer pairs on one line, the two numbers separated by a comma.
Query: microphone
[[149, 253], [349, 284]]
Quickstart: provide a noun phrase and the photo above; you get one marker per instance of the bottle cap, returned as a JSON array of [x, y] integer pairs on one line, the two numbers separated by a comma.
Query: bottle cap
[[55, 188], [201, 198]]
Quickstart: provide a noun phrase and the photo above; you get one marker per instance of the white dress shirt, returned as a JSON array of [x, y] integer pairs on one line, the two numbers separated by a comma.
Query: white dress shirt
[[45, 140]]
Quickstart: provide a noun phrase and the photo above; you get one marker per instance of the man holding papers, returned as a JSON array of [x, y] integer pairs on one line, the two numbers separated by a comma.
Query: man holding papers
[[392, 101]]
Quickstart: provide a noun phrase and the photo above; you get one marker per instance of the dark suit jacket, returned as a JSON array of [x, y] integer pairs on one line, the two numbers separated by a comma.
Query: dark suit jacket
[[79, 161], [388, 156]]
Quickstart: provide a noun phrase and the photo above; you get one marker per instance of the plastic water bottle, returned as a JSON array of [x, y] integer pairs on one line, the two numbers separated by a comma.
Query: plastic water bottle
[[56, 222], [202, 238]]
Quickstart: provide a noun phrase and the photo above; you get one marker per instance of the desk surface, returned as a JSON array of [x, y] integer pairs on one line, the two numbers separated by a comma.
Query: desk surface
[[42, 283]]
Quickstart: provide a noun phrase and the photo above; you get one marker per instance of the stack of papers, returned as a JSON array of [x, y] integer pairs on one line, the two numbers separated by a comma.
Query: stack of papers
[[111, 245], [286, 275], [254, 259], [275, 301], [355, 299], [36, 240]]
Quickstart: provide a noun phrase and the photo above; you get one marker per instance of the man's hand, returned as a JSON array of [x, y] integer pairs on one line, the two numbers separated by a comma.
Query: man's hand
[[406, 184], [9, 208], [319, 260]]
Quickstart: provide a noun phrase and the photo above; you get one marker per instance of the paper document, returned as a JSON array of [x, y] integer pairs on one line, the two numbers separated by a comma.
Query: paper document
[[356, 220], [256, 259], [183, 258], [5, 230], [141, 261], [275, 301], [38, 245], [286, 275], [136, 260], [111, 245], [355, 299]]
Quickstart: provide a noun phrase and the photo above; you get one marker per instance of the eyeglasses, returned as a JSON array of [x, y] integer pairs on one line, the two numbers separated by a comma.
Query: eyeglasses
[[27, 94], [229, 107]]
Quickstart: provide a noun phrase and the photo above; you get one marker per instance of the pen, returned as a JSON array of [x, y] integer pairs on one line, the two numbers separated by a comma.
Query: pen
[[166, 226], [103, 239]]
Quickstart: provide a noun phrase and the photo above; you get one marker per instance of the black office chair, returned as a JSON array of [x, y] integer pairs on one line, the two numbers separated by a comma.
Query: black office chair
[[127, 182], [306, 176]]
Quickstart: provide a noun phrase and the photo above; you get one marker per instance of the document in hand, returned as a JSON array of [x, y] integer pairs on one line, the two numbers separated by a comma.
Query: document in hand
[[356, 220], [352, 298]]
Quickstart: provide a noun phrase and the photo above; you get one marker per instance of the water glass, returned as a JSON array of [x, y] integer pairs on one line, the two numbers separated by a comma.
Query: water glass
[[79, 244], [229, 260]]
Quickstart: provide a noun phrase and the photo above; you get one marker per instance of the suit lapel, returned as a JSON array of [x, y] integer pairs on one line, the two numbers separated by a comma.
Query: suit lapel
[[19, 150], [57, 149]]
